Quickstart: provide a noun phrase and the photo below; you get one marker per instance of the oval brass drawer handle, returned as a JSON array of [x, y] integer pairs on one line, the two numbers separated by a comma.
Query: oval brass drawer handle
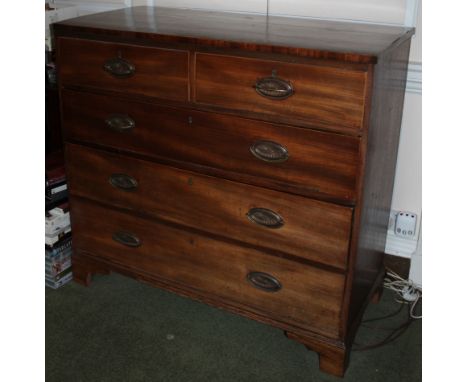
[[123, 181], [269, 151], [119, 68], [265, 217], [274, 87], [120, 122], [126, 238], [264, 281]]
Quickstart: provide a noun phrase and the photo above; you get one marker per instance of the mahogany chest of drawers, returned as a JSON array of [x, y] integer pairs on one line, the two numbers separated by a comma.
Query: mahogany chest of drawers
[[243, 161]]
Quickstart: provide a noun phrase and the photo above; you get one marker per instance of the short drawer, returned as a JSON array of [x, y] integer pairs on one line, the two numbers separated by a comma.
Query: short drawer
[[302, 161], [148, 71], [312, 94], [302, 227], [282, 289]]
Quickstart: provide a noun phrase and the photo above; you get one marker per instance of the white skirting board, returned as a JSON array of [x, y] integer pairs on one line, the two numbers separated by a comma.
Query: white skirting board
[[399, 246], [414, 79], [410, 249]]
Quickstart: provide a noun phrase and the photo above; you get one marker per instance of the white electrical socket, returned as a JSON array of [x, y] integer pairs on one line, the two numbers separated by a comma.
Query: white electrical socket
[[405, 224]]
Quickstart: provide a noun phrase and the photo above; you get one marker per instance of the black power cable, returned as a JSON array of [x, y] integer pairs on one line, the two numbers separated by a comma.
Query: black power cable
[[384, 317], [395, 332]]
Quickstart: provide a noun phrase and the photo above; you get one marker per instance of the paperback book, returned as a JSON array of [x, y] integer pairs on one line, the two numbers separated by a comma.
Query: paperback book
[[63, 233], [57, 284], [59, 247]]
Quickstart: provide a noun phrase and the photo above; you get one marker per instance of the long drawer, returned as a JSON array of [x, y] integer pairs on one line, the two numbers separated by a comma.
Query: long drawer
[[282, 289], [149, 71], [303, 227], [315, 94], [285, 158]]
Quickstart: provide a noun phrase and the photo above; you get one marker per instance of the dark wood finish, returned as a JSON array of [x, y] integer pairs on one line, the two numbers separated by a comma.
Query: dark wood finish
[[251, 166], [161, 73], [312, 230], [400, 265], [350, 42], [333, 357], [373, 212], [319, 164], [375, 299], [84, 269], [92, 265], [309, 297], [321, 95]]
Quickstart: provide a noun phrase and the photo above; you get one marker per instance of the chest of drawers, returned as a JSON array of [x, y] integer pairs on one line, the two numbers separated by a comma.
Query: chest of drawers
[[243, 161]]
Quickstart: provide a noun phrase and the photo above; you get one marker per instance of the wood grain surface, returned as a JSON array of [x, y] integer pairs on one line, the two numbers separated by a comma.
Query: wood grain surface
[[351, 42], [161, 73], [312, 230], [368, 245], [195, 160], [308, 297], [320, 164], [322, 95]]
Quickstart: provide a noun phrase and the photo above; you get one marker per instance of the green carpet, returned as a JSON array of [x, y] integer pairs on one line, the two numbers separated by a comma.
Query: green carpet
[[119, 329]]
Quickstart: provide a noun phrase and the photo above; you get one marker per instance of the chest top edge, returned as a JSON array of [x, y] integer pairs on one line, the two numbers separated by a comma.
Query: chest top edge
[[320, 39]]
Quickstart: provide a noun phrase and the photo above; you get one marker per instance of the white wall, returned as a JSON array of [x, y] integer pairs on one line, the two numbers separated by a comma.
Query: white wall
[[398, 12], [375, 11], [253, 6], [86, 7], [408, 182]]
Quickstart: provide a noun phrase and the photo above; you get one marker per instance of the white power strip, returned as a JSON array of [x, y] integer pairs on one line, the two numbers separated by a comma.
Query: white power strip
[[409, 294], [407, 291]]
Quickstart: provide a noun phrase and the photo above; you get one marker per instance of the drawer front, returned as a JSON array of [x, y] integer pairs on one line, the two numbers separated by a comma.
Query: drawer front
[[317, 163], [303, 227], [154, 72], [282, 289], [325, 96]]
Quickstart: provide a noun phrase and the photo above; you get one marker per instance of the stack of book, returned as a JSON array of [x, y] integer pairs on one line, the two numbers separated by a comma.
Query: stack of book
[[55, 182], [58, 269]]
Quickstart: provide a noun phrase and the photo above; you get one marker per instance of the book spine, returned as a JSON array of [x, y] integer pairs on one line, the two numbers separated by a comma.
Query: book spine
[[55, 189], [56, 181], [58, 256], [61, 209], [51, 240], [59, 275], [60, 247], [56, 234], [58, 270], [57, 284], [58, 189], [56, 221]]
